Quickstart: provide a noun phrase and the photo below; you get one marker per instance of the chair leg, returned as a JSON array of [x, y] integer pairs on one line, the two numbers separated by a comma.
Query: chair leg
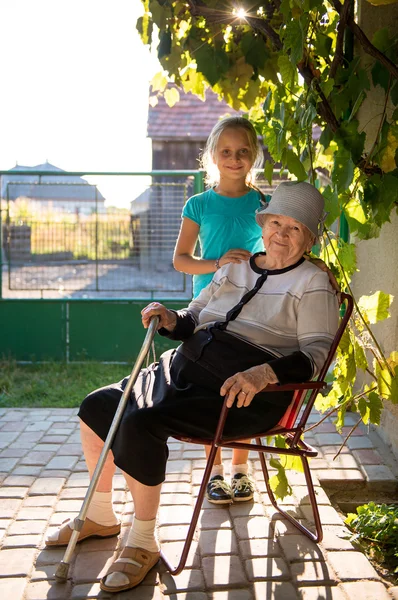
[[315, 537], [195, 516]]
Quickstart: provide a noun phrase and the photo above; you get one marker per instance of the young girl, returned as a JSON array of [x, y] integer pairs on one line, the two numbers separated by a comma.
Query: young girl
[[223, 219]]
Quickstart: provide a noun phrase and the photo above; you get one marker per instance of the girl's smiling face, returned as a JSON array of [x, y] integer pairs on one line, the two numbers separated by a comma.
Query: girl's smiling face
[[233, 156], [285, 239]]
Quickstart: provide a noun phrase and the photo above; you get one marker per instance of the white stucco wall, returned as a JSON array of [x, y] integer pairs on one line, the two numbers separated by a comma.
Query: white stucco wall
[[378, 258]]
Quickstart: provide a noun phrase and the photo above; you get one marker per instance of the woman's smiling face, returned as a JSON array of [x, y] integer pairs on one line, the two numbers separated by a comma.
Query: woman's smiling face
[[286, 239]]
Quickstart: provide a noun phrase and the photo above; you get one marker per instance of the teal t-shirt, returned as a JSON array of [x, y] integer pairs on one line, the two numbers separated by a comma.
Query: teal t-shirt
[[224, 223]]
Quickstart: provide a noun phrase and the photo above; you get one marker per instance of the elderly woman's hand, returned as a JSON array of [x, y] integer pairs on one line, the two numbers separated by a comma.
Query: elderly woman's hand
[[244, 386], [167, 318]]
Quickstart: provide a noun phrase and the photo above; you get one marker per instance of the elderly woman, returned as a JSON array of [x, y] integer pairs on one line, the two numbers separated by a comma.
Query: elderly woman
[[269, 320]]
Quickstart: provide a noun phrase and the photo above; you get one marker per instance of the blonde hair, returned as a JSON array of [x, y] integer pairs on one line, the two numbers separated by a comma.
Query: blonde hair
[[207, 158]]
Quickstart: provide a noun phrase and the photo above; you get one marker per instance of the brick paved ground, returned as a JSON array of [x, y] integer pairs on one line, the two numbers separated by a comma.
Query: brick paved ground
[[243, 552]]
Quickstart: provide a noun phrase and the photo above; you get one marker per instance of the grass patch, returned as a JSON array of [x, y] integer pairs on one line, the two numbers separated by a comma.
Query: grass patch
[[57, 385]]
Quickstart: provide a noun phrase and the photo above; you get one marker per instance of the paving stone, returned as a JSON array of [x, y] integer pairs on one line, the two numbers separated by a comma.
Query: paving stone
[[276, 590], [91, 566], [310, 571], [327, 439], [334, 449], [215, 518], [7, 464], [178, 477], [223, 570], [37, 458], [38, 426], [13, 426], [9, 507], [243, 509], [329, 516], [6, 437], [70, 450], [79, 480], [178, 466], [323, 593], [19, 541], [18, 481], [366, 590], [173, 552], [56, 473], [367, 457], [341, 477], [4, 523], [176, 487], [227, 595], [89, 590], [252, 528], [259, 547], [73, 493], [394, 592], [47, 485], [219, 541], [267, 568], [13, 453], [13, 492], [14, 415], [12, 588], [335, 538], [68, 506], [347, 565], [344, 461], [40, 501], [17, 563], [26, 527], [299, 548], [43, 572], [175, 515], [29, 471], [47, 590], [375, 473], [357, 443], [176, 499], [188, 580], [50, 556], [34, 512], [47, 447], [54, 439], [172, 533], [62, 462]]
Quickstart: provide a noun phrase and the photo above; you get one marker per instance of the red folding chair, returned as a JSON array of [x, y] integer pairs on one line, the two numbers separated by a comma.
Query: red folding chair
[[291, 426]]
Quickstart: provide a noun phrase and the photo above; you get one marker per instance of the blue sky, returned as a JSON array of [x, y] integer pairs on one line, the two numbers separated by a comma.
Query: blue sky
[[75, 79]]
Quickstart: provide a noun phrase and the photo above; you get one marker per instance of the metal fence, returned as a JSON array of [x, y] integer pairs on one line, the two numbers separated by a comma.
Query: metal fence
[[59, 239], [91, 250]]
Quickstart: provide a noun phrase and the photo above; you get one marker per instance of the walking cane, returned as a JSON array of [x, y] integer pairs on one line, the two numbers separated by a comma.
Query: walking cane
[[61, 573]]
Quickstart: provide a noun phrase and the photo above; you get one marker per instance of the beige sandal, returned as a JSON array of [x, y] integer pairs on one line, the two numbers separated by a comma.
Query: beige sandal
[[135, 563], [89, 529]]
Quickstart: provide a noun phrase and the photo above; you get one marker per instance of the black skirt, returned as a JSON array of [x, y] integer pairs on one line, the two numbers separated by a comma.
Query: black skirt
[[172, 397]]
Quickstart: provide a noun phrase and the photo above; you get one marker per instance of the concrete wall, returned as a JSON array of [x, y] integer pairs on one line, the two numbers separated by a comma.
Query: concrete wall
[[378, 258]]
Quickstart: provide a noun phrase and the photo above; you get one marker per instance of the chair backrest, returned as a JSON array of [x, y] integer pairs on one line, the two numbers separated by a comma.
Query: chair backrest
[[290, 417]]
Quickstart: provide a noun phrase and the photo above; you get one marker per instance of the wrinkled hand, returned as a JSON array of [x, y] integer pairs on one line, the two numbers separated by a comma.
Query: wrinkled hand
[[323, 266], [167, 318], [244, 386], [235, 255]]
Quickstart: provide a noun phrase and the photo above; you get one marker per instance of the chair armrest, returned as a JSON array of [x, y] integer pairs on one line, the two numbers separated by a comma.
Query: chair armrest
[[308, 385]]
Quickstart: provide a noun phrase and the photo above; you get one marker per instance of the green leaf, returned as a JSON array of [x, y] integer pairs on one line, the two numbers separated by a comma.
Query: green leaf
[[380, 75], [375, 308], [268, 171], [294, 165], [172, 96], [279, 483], [287, 70], [348, 137], [326, 137], [164, 47], [343, 170], [254, 49], [394, 97], [323, 44], [294, 40], [267, 101], [332, 205], [360, 357], [375, 408], [381, 40], [212, 62]]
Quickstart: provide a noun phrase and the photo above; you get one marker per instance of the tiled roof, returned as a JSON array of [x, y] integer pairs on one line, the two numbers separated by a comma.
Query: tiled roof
[[64, 186], [191, 118]]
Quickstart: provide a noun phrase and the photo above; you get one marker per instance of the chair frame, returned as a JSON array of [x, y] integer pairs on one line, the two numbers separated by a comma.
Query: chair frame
[[291, 426]]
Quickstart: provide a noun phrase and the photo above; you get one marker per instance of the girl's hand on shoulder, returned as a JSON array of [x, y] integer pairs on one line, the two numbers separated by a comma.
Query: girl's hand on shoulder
[[235, 255], [167, 318], [242, 387], [323, 266]]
